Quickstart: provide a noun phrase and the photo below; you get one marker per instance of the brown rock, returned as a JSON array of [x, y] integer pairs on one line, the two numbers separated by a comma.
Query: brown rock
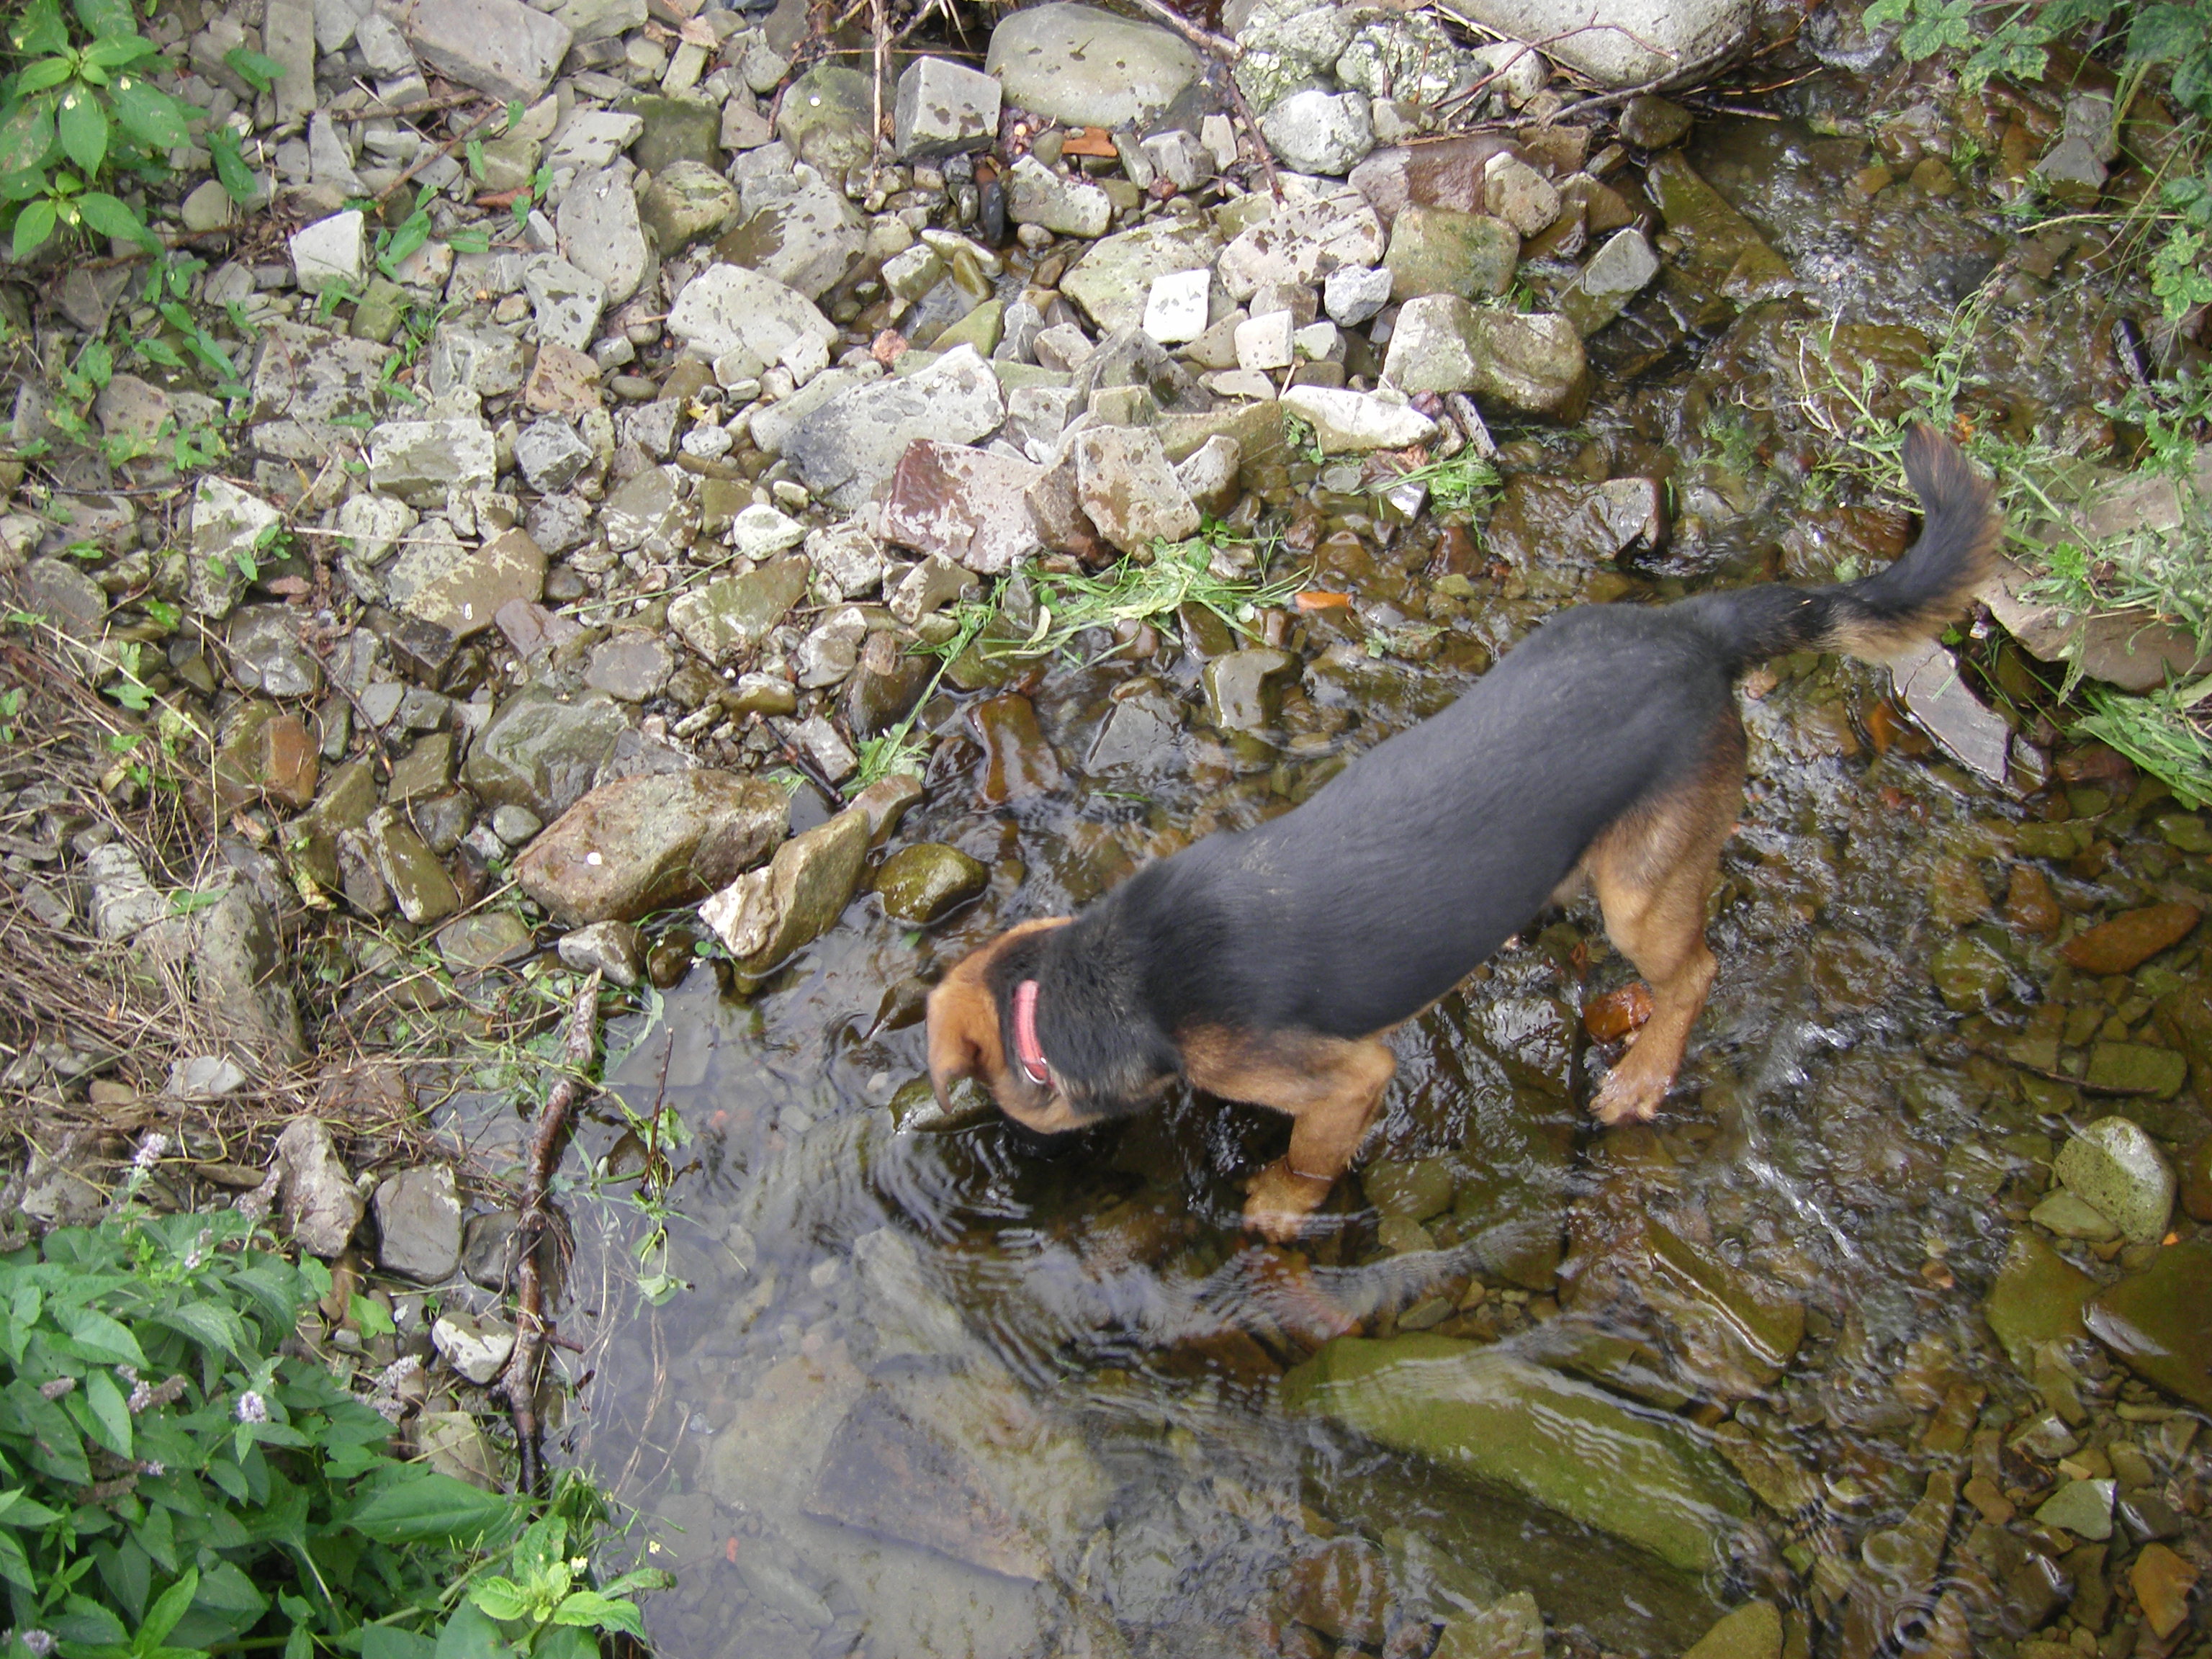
[[2131, 938], [2162, 1581], [291, 760], [1614, 1015], [644, 843], [562, 381], [1341, 1590], [963, 503], [1017, 761], [2196, 1181], [1446, 175], [2030, 905]]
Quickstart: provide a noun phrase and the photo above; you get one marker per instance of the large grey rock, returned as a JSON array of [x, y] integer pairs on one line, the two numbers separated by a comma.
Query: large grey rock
[[643, 844], [330, 252], [1113, 280], [226, 524], [566, 301], [1532, 362], [685, 201], [419, 461], [853, 442], [963, 504], [1127, 488], [316, 1197], [1616, 274], [827, 116], [600, 233], [461, 589], [287, 37], [242, 983], [1638, 41], [502, 47], [1088, 67], [734, 613], [540, 752], [418, 1224], [591, 139], [1317, 131], [945, 107], [1409, 58], [487, 362], [728, 309], [550, 455], [1036, 195], [306, 379], [1303, 240], [809, 240], [599, 20], [1440, 251]]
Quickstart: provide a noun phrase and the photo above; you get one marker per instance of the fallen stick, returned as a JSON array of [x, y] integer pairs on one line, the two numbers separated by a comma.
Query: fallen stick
[[519, 1383]]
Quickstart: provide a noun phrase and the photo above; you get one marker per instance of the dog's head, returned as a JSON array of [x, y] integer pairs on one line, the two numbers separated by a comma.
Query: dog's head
[[967, 1037]]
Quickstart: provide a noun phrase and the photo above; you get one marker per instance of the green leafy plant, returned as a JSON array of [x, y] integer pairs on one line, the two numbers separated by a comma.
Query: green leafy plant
[[1458, 484], [180, 1476], [11, 710], [74, 110]]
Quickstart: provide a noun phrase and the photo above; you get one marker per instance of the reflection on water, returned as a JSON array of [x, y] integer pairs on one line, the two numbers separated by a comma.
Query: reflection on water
[[955, 1393]]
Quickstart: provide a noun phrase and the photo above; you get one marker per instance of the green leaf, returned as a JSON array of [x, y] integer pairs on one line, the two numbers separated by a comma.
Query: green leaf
[[502, 1598], [98, 1336], [409, 236], [82, 126], [148, 114], [112, 216], [116, 50], [110, 1411], [390, 1642], [2165, 34], [598, 1612], [26, 136], [19, 1508], [429, 1506], [34, 225], [162, 1618], [213, 1325], [470, 241], [43, 76], [41, 29], [469, 1634], [257, 71], [230, 164], [107, 18]]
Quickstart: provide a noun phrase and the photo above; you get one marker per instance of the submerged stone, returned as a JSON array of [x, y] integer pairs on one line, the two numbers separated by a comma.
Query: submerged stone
[[2084, 1508], [1243, 688], [2131, 938], [1752, 1632], [642, 844], [1018, 761], [921, 883], [1571, 1448], [2118, 1170], [2160, 1320], [2037, 1298]]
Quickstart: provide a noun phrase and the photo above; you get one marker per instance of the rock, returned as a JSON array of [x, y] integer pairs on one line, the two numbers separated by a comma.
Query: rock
[[827, 116], [1112, 282], [2036, 1299], [1616, 274], [549, 455], [1316, 131], [1930, 686], [649, 844], [1085, 67], [599, 20], [1515, 192], [566, 302], [238, 983], [2162, 1581], [760, 532], [418, 1224], [1733, 1334], [2131, 938], [1971, 971], [591, 139], [846, 447], [319, 1203], [2117, 1169], [734, 613], [410, 871], [1209, 474], [62, 594], [123, 902], [2084, 1508], [477, 1348], [1036, 195], [487, 362], [1341, 1589], [471, 943], [329, 252], [1651, 122], [2070, 1217], [1434, 343], [963, 504], [674, 129], [1018, 761], [1647, 41], [764, 916], [1723, 251], [461, 590], [1243, 688], [809, 240], [1410, 58], [647, 511], [304, 381], [631, 667], [420, 461], [726, 308], [500, 48], [2135, 1068], [198, 1076], [228, 525], [2128, 648], [611, 948], [921, 883], [600, 233], [1563, 1444], [267, 655], [1263, 342], [1753, 1630], [1353, 293], [1175, 307], [1300, 244], [1129, 489], [2160, 1320], [1529, 361], [540, 753], [1438, 251], [685, 201], [943, 108], [1354, 420]]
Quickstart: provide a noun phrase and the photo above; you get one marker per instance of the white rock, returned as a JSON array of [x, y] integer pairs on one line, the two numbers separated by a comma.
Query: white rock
[[566, 302], [1318, 341], [1317, 131], [759, 531], [500, 48], [330, 252], [1623, 265], [1176, 310], [591, 139], [1036, 195], [1349, 421], [944, 107], [477, 1349], [1636, 41], [599, 231], [726, 308], [1264, 341], [1179, 157], [1352, 293]]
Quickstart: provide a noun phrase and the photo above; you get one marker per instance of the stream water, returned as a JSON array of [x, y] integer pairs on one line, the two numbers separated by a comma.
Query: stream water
[[955, 1393]]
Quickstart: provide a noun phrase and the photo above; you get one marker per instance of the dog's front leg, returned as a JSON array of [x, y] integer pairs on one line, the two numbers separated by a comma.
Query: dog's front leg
[[1332, 1090]]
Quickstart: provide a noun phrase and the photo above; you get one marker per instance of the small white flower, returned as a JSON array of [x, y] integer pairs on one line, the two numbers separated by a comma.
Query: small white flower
[[40, 1642], [252, 1408], [154, 1468], [150, 1150], [140, 1397]]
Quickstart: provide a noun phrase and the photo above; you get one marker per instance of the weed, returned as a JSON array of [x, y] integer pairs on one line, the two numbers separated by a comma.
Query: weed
[[1458, 484]]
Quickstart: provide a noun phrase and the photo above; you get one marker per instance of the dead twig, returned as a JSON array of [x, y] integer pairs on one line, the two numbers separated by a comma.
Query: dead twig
[[520, 1383], [420, 107], [443, 150], [1229, 52]]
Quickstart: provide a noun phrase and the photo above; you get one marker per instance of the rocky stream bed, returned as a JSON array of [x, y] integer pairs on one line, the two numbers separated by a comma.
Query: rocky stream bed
[[557, 600]]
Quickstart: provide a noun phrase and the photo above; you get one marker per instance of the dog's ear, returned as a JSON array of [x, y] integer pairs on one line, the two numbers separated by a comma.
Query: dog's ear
[[963, 1033]]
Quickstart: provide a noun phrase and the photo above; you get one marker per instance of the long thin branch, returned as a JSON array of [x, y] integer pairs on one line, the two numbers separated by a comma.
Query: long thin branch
[[519, 1382]]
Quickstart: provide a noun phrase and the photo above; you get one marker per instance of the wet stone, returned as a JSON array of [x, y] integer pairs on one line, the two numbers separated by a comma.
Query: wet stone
[[808, 240], [765, 915], [2037, 1297], [462, 590], [477, 1348], [614, 949], [485, 939], [420, 461], [1126, 485], [921, 883], [2162, 1580], [1970, 972], [540, 753], [2084, 1508], [418, 1223], [844, 447], [2135, 1068], [1017, 761], [1243, 689], [2125, 942], [1651, 121], [267, 655], [1341, 1590], [410, 871], [962, 504], [2160, 1320], [734, 613], [1752, 1632], [1438, 251]]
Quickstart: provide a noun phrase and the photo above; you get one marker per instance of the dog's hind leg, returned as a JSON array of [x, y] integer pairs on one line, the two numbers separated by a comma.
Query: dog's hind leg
[[1330, 1087], [1653, 871]]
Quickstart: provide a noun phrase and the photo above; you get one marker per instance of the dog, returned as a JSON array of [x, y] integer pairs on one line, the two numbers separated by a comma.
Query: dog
[[1270, 965]]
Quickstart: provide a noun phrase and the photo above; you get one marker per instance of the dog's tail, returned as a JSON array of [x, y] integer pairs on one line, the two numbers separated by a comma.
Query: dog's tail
[[1878, 616]]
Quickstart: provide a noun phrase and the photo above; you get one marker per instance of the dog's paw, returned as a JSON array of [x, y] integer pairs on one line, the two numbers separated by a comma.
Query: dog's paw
[[1628, 1095], [1278, 1201]]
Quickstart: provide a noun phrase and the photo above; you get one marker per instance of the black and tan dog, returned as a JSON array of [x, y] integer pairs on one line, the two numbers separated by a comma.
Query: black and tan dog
[[1269, 965]]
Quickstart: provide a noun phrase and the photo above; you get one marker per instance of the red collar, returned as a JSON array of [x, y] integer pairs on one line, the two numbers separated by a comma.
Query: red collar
[[1028, 1054]]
